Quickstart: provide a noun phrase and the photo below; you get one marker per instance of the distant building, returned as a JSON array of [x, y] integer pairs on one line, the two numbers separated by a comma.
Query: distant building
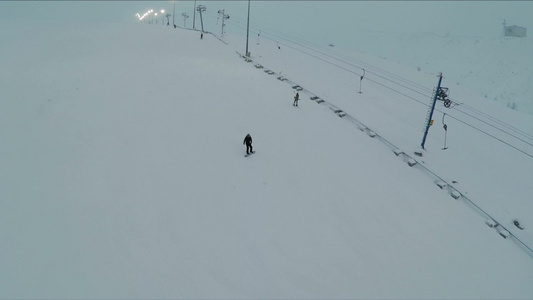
[[514, 30]]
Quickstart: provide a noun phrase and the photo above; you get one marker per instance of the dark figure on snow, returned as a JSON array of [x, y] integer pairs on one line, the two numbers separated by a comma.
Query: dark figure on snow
[[296, 98], [202, 36], [248, 142]]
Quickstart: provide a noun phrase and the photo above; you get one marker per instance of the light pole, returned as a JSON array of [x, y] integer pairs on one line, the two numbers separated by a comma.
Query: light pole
[[163, 17], [173, 13], [194, 16], [248, 29]]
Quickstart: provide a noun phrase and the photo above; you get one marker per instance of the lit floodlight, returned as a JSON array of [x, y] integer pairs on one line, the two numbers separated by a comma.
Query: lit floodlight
[[162, 11]]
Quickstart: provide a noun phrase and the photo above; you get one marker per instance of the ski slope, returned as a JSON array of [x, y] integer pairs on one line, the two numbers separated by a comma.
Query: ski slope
[[122, 175]]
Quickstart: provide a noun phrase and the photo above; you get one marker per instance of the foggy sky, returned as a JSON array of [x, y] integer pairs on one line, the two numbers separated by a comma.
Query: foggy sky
[[318, 20]]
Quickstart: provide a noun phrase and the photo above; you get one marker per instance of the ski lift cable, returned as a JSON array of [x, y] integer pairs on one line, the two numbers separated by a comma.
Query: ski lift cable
[[343, 59], [490, 135], [494, 119], [353, 72], [407, 96], [395, 90], [426, 105], [314, 56], [368, 66], [359, 67], [495, 127], [347, 57], [346, 63], [490, 118], [410, 97]]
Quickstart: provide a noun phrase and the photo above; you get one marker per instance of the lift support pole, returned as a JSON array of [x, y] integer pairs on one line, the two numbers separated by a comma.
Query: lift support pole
[[430, 113]]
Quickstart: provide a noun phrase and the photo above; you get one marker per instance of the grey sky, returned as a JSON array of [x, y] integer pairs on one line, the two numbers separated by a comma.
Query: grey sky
[[309, 19]]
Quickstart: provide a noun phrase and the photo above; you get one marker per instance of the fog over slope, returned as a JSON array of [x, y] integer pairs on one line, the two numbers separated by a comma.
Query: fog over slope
[[122, 173]]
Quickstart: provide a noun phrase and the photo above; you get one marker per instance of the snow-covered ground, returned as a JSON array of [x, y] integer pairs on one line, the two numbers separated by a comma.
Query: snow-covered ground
[[122, 174], [496, 68]]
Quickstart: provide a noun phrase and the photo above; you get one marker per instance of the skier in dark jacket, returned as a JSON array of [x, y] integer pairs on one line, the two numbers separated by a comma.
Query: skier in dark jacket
[[248, 142], [296, 98]]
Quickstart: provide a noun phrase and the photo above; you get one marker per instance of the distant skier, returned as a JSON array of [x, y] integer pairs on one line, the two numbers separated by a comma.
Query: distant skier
[[202, 36], [248, 142], [296, 98]]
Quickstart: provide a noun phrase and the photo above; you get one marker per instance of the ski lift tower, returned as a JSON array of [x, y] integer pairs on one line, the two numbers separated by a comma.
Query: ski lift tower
[[224, 17], [185, 17], [200, 9], [441, 93]]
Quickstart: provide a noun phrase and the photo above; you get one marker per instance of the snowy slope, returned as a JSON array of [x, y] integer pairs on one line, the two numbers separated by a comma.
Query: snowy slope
[[122, 176], [495, 68]]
